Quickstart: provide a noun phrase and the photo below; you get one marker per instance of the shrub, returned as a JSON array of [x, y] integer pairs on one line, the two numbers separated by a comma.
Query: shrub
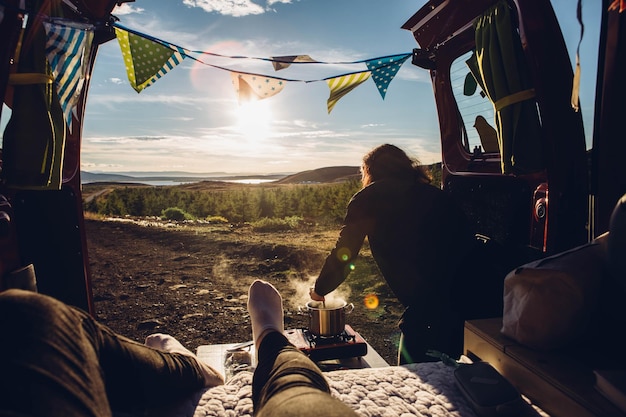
[[273, 224], [176, 214], [216, 219]]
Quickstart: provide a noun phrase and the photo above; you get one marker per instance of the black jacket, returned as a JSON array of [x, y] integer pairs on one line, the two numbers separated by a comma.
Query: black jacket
[[418, 237]]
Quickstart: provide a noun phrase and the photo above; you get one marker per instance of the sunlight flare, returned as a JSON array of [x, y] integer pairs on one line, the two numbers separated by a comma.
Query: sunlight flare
[[254, 120]]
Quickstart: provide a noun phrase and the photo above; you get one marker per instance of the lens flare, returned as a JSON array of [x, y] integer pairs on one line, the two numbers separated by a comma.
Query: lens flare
[[371, 301], [344, 254]]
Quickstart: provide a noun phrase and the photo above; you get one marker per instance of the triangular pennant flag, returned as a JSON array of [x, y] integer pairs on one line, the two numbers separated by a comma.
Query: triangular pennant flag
[[146, 60], [67, 45], [282, 62], [242, 89], [340, 86], [384, 69], [255, 87]]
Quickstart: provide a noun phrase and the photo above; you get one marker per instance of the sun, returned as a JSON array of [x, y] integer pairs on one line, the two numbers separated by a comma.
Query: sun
[[254, 119]]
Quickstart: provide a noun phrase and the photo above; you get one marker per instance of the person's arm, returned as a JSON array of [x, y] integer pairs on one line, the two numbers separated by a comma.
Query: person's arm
[[340, 262]]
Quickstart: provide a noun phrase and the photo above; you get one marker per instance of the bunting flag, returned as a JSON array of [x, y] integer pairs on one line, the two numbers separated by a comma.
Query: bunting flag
[[67, 46], [384, 69], [146, 60], [282, 62], [340, 86], [251, 87]]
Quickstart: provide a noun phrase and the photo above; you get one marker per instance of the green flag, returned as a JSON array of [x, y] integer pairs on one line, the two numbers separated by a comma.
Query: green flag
[[146, 60]]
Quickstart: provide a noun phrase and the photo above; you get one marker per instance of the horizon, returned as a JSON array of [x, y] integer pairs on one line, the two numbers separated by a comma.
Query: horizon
[[208, 173]]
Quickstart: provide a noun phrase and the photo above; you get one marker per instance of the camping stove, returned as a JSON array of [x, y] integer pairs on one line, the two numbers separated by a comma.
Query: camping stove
[[347, 344]]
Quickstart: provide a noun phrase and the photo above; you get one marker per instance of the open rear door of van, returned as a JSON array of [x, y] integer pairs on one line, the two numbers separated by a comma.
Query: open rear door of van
[[513, 148], [41, 215]]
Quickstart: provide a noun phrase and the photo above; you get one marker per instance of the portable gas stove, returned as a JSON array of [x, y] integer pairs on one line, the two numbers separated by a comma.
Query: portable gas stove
[[347, 344]]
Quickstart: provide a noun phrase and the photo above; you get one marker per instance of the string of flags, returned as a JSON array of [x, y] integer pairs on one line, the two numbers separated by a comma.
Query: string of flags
[[147, 59]]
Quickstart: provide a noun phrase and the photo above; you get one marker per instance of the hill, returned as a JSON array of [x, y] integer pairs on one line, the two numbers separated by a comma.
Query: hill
[[322, 175]]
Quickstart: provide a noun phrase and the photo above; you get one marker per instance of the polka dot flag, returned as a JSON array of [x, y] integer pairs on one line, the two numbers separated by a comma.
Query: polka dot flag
[[255, 87], [384, 69], [146, 60]]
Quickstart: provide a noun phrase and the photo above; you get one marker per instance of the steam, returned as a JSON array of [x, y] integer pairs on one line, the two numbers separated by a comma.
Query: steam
[[335, 299], [221, 269]]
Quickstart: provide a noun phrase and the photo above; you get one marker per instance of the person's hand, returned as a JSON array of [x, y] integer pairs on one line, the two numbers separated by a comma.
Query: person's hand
[[315, 296]]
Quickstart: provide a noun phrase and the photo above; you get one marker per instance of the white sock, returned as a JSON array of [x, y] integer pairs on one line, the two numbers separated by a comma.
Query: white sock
[[265, 306], [167, 343]]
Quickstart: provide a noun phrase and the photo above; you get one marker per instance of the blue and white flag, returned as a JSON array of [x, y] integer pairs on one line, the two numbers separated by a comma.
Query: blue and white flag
[[384, 69], [67, 48]]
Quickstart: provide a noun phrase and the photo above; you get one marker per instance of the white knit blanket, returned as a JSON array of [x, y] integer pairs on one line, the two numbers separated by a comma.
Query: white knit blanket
[[424, 389]]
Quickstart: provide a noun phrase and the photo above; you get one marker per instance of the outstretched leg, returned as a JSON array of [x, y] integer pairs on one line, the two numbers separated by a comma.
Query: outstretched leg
[[58, 361], [286, 382]]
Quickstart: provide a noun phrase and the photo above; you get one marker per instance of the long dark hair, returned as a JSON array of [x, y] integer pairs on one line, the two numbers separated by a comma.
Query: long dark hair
[[389, 161]]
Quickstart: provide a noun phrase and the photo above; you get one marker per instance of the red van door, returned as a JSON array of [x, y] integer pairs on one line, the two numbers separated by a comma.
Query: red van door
[[513, 148]]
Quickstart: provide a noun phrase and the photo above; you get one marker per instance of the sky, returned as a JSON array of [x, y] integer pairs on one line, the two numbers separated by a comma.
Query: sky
[[190, 119]]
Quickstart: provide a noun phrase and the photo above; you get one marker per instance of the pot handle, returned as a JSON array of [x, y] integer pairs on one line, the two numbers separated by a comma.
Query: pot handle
[[304, 311], [350, 306]]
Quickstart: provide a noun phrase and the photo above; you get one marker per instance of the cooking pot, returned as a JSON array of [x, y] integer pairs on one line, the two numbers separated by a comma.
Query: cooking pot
[[327, 319]]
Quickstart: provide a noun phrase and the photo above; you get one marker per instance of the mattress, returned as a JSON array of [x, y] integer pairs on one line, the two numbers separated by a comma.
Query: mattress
[[424, 389]]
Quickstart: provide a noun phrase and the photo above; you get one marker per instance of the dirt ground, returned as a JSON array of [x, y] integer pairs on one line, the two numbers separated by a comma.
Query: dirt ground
[[191, 281]]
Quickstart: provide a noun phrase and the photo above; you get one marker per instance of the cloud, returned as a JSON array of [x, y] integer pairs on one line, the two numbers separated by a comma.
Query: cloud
[[236, 8], [116, 80], [126, 9], [165, 99]]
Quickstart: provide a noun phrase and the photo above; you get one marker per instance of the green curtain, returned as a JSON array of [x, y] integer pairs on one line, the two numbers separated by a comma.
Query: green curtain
[[33, 142], [499, 66]]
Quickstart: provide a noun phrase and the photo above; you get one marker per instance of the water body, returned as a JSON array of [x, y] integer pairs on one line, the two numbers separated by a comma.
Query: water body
[[162, 182]]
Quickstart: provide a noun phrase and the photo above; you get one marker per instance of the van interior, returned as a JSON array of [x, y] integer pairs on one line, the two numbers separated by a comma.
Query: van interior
[[513, 156]]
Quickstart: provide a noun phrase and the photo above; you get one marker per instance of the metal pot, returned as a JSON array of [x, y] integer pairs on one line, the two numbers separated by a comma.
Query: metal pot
[[327, 321]]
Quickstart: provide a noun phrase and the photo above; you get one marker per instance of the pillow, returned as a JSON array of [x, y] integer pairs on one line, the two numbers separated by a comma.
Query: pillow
[[548, 303]]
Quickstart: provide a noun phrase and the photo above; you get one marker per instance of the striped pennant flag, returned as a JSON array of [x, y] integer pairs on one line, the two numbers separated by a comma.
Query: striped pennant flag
[[67, 48], [384, 69], [340, 86], [251, 87], [146, 60]]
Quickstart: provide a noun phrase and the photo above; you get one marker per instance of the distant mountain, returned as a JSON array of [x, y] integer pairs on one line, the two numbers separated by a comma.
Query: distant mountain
[[91, 177], [320, 175], [323, 175]]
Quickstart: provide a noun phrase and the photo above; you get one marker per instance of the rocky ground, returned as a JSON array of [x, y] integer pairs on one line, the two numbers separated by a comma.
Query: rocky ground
[[191, 280]]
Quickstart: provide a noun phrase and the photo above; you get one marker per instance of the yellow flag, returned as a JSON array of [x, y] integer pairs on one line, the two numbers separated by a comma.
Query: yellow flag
[[340, 86]]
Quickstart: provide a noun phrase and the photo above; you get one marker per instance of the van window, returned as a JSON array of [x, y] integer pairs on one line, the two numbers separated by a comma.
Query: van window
[[475, 109]]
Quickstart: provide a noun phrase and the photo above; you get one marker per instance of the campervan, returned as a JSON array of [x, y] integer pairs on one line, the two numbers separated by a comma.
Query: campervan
[[513, 145]]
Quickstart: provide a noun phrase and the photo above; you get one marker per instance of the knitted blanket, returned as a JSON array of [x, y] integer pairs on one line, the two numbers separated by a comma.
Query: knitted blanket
[[424, 389]]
